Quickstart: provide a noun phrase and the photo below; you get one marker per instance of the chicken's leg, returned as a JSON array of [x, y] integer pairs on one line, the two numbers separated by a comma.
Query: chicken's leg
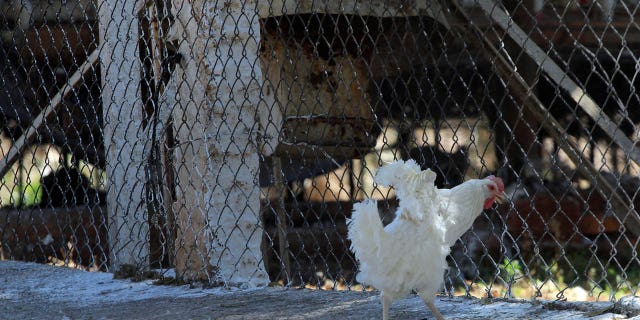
[[432, 307], [386, 303], [434, 310]]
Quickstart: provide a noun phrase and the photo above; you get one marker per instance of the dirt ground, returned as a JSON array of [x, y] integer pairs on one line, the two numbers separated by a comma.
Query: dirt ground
[[33, 291]]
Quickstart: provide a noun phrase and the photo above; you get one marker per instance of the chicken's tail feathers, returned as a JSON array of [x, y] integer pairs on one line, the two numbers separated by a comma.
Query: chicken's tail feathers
[[397, 172], [407, 178], [365, 230]]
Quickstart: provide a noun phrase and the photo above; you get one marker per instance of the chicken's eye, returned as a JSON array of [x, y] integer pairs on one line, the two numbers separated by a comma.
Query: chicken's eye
[[492, 188]]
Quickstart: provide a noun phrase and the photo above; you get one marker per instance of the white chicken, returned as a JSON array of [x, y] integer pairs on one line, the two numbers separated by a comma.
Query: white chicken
[[410, 253]]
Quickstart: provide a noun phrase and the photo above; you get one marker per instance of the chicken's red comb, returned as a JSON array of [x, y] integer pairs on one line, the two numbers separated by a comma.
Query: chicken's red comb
[[498, 181]]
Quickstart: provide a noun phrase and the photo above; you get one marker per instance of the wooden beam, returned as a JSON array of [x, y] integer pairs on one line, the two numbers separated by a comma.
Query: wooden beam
[[85, 228], [560, 77], [23, 141], [522, 90], [355, 7], [281, 220]]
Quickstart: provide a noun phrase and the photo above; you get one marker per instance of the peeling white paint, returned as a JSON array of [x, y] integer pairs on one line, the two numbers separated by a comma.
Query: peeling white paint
[[217, 129], [123, 133]]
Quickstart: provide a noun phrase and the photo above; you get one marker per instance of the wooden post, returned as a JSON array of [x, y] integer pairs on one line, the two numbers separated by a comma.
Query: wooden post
[[281, 220], [218, 199], [124, 137]]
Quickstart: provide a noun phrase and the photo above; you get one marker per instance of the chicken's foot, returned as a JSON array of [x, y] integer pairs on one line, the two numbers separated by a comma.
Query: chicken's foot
[[386, 303], [429, 302]]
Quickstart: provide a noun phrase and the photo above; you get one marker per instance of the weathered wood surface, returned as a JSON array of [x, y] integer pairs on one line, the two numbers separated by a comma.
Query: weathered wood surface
[[36, 234], [43, 11], [67, 44], [380, 8]]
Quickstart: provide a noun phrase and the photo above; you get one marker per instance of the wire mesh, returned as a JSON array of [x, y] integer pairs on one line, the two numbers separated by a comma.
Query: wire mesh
[[228, 141]]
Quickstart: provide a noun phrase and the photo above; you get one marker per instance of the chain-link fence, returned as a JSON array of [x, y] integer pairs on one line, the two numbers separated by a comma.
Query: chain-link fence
[[228, 140]]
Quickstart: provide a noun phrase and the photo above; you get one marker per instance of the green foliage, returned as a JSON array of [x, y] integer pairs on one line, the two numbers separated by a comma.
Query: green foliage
[[26, 195], [511, 270], [31, 194], [567, 269], [18, 194]]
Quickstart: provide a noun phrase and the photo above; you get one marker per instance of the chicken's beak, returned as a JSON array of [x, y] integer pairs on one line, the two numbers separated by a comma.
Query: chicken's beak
[[500, 198]]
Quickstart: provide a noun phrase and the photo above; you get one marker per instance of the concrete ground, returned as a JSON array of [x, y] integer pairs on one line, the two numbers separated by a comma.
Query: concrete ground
[[35, 291]]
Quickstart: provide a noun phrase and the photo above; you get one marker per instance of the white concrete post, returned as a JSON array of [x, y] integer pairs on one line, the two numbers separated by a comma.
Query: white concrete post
[[123, 134], [219, 84]]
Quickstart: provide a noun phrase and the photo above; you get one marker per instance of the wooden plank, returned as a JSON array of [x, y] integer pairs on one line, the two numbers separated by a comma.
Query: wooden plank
[[560, 77], [281, 220], [40, 12], [65, 43], [23, 141], [522, 90], [34, 234], [355, 7]]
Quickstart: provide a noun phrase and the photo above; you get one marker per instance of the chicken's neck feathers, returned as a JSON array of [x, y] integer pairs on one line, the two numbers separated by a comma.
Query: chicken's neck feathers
[[466, 195], [459, 207]]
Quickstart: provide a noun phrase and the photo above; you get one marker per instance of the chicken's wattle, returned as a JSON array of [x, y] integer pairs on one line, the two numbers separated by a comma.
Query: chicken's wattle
[[489, 202]]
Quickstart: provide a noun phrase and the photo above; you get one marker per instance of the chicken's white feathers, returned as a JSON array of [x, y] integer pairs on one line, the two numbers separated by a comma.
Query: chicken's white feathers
[[365, 231], [396, 172], [409, 253], [414, 188], [460, 206]]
